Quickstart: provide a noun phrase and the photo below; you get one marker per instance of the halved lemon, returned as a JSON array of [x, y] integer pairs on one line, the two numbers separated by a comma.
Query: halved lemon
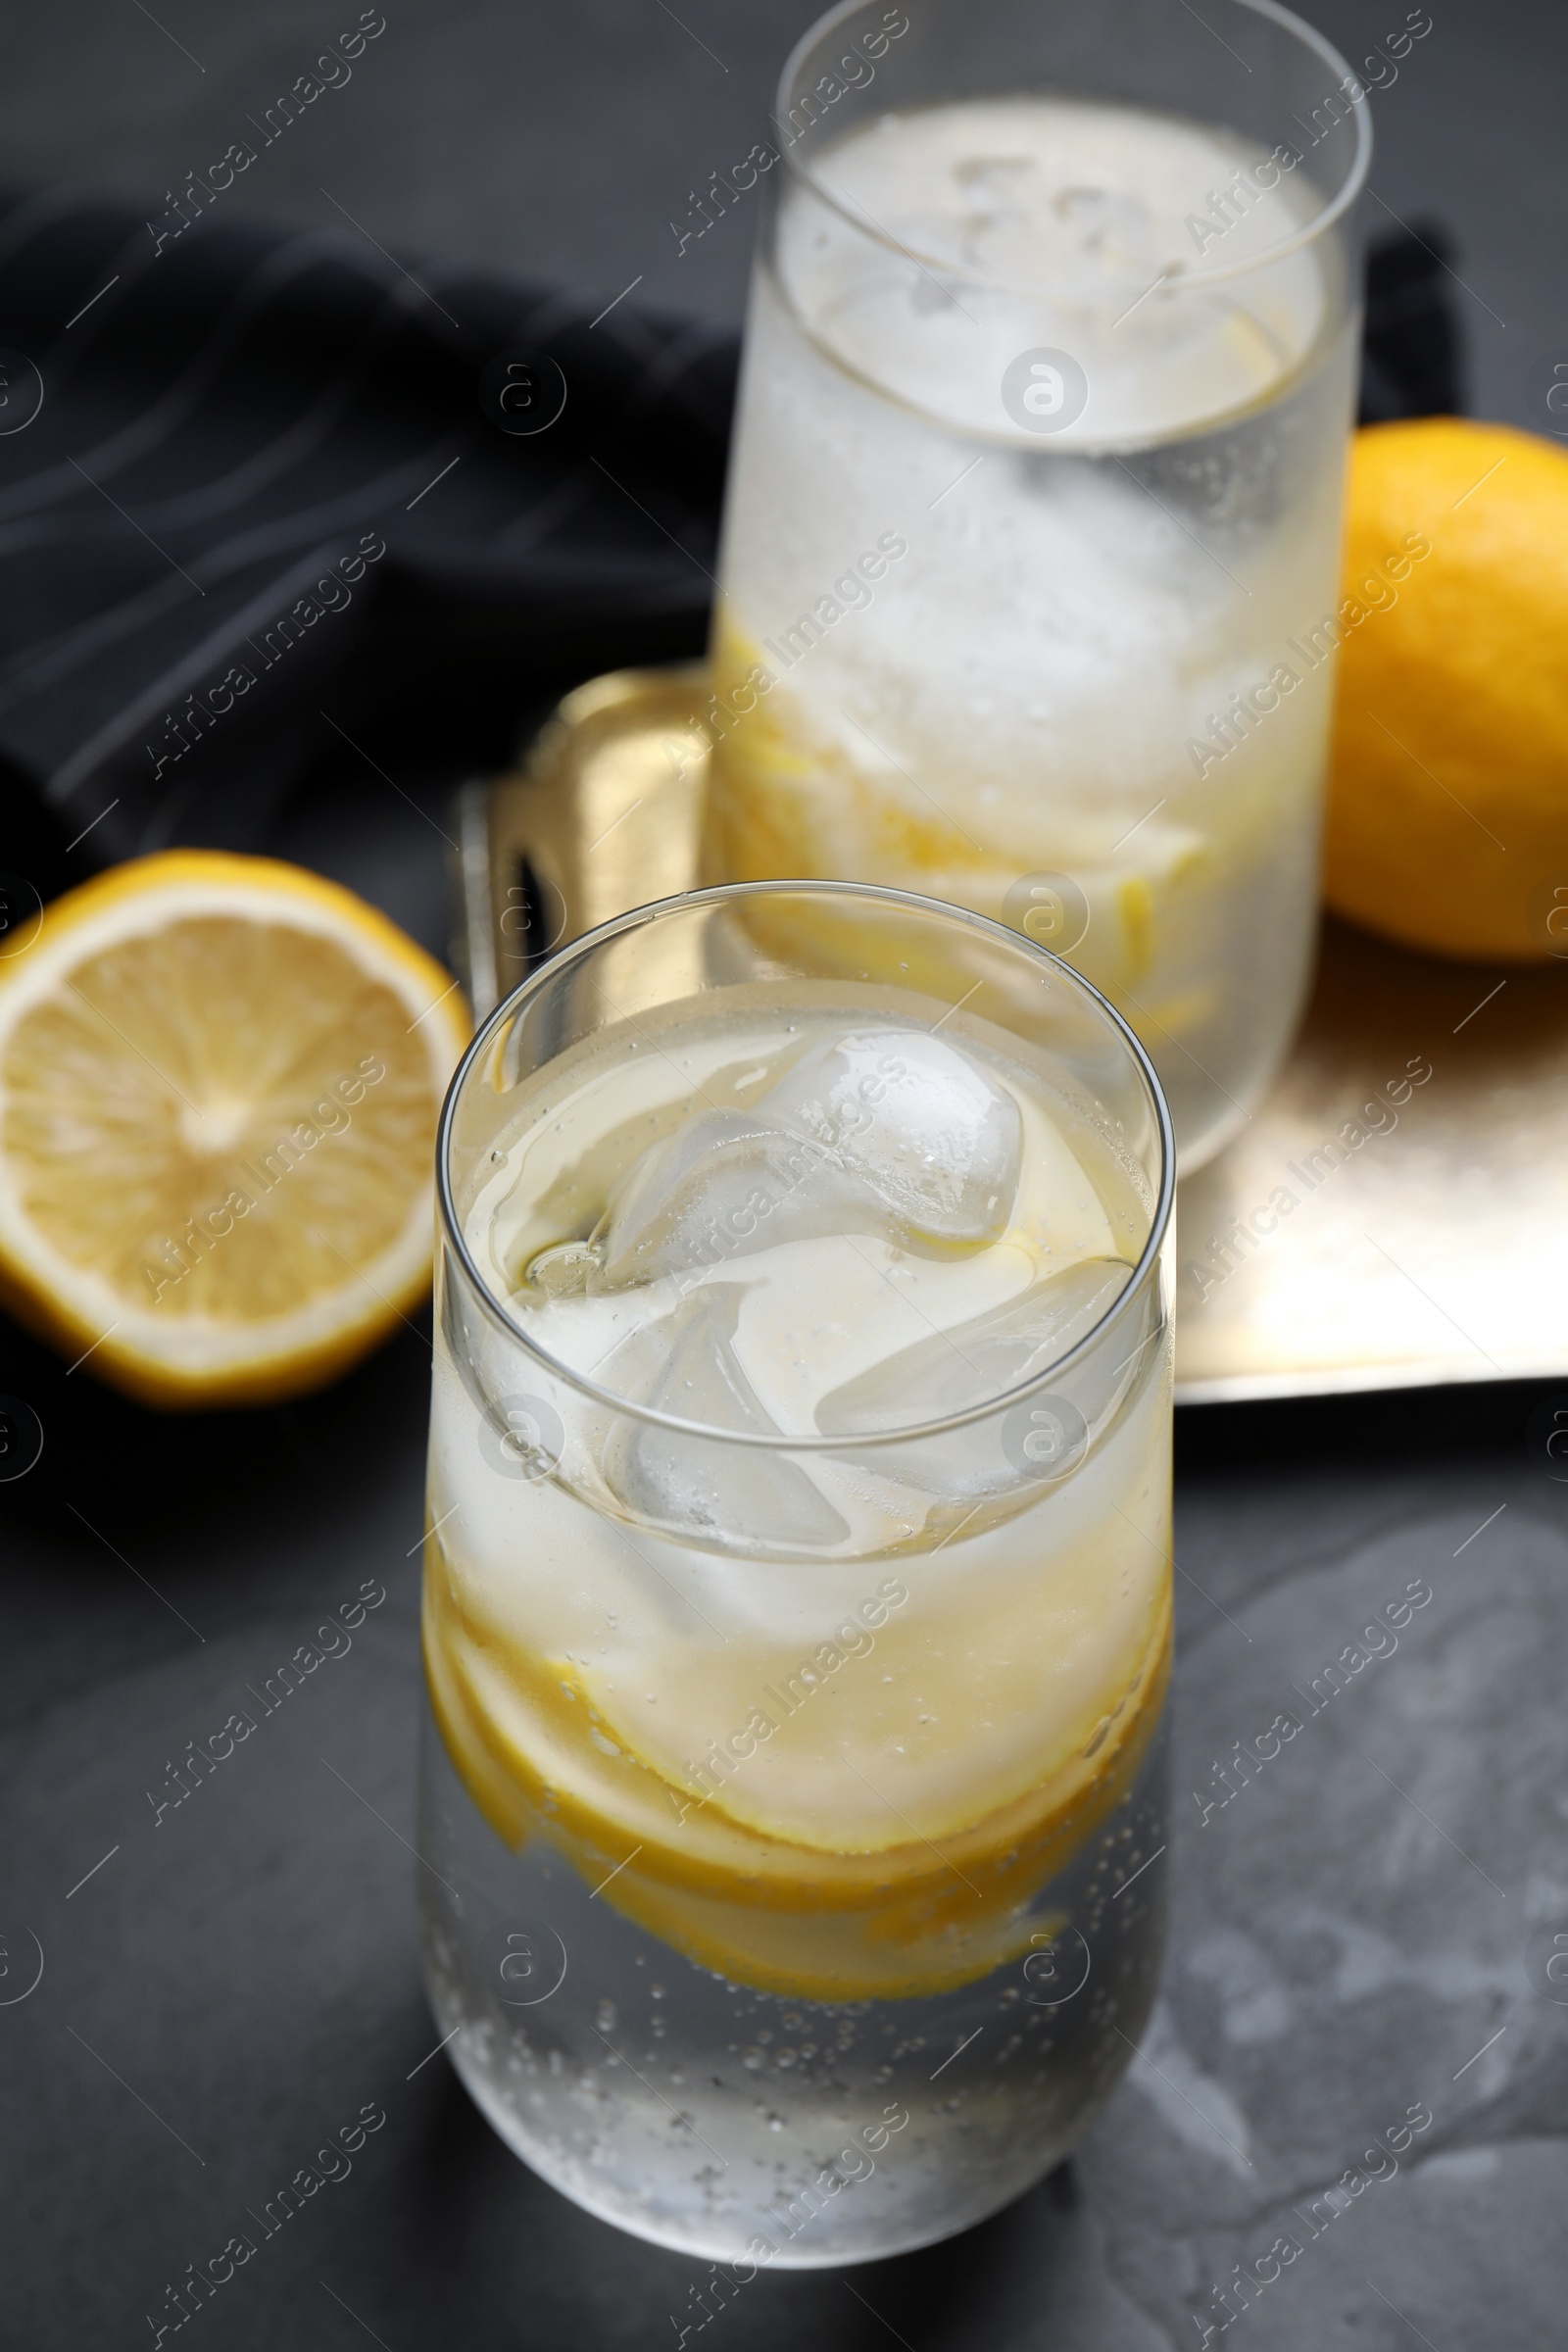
[[220, 1079]]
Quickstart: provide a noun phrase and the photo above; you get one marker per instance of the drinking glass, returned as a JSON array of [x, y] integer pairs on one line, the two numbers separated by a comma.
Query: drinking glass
[[1029, 578], [796, 1602]]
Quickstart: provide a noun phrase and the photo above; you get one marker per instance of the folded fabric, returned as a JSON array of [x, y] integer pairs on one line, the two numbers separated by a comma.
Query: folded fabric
[[265, 461], [259, 457]]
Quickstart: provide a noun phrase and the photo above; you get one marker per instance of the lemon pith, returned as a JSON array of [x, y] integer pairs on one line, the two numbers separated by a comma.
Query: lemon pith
[[218, 1084]]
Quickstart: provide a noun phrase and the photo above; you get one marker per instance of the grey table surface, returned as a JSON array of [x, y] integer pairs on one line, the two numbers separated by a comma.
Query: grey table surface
[[1364, 1929]]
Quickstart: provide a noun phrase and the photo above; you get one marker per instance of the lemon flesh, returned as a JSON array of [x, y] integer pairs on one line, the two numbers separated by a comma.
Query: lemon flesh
[[219, 1086]]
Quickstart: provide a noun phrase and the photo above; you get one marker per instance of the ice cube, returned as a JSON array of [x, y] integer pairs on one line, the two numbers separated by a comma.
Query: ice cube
[[707, 1490], [891, 1133], [724, 1184], [919, 1121], [564, 1270], [989, 1459], [978, 1359]]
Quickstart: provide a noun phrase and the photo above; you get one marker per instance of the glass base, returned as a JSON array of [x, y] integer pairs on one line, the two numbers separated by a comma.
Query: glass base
[[757, 2129]]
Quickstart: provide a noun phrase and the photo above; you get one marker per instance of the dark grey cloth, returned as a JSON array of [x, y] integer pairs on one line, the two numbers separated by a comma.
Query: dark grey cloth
[[191, 526]]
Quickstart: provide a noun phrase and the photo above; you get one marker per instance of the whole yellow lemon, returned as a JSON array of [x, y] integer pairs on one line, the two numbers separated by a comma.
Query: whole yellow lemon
[[1448, 816]]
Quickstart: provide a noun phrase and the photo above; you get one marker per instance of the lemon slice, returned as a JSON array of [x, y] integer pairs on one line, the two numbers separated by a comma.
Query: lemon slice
[[220, 1079], [850, 1921]]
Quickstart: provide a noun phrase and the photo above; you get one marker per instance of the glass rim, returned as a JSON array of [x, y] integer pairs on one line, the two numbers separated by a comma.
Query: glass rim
[[1106, 289], [723, 893]]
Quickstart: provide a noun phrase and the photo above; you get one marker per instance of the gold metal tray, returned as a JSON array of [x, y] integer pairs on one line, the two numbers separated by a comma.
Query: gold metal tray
[[1396, 1211]]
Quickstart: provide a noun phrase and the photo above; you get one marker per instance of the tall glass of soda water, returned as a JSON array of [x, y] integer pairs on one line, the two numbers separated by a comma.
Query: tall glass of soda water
[[797, 1602], [1029, 581]]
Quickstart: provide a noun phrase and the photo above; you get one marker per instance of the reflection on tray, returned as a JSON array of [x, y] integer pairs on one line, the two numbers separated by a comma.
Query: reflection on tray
[[1394, 1213]]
